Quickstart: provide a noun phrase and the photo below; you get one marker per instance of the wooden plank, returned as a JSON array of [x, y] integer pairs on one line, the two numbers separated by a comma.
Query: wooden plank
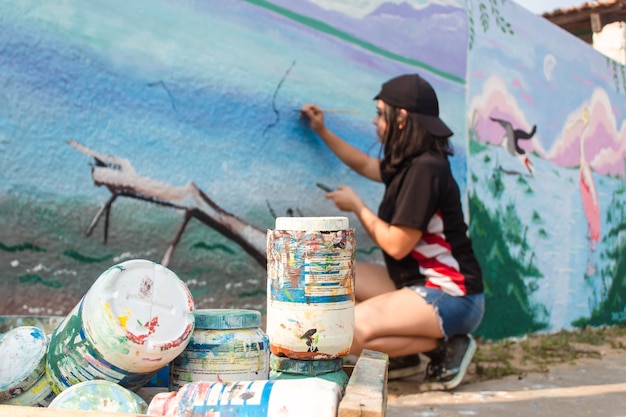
[[20, 411], [366, 392]]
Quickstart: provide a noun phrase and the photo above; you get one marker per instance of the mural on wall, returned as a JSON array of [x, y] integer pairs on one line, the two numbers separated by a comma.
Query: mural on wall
[[550, 231], [170, 131]]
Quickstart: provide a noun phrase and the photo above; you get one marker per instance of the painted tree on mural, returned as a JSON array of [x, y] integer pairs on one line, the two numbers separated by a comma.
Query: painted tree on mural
[[509, 278], [507, 259]]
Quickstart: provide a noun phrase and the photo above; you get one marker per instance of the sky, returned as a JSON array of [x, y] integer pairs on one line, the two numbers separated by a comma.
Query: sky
[[542, 6]]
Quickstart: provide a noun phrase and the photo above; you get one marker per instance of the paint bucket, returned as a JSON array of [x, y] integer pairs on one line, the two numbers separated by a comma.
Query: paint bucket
[[22, 360], [226, 345], [161, 379], [39, 395], [312, 397], [328, 369], [134, 320], [310, 287], [100, 395]]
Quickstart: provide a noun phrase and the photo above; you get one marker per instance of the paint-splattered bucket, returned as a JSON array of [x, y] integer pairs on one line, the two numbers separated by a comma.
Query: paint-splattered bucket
[[310, 287], [39, 395], [22, 361], [100, 395], [328, 369], [312, 397], [226, 345], [135, 319]]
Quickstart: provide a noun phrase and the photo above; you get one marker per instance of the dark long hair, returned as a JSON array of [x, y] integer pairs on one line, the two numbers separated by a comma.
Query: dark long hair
[[401, 145]]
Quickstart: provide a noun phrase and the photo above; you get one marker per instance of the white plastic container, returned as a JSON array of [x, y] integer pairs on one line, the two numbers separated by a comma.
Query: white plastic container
[[310, 287], [22, 360], [312, 397], [39, 395], [135, 319], [100, 395], [226, 345]]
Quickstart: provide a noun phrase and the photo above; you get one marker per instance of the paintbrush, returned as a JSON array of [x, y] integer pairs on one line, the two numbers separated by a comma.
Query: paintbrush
[[336, 111]]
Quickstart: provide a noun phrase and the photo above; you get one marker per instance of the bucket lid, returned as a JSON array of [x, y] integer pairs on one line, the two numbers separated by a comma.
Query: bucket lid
[[23, 353], [148, 305], [100, 395], [303, 367], [39, 395], [224, 319], [312, 224]]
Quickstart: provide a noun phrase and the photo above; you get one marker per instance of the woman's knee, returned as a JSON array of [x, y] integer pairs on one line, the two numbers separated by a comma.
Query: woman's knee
[[371, 280]]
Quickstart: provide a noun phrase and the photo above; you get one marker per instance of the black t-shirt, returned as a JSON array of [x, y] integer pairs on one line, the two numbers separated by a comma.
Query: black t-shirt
[[423, 195]]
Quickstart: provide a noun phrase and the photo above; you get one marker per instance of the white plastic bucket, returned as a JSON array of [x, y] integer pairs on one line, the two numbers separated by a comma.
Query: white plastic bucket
[[100, 395], [22, 360], [134, 320], [310, 287], [226, 345]]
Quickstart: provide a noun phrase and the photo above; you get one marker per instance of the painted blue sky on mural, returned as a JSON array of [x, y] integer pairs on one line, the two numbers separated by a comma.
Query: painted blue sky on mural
[[199, 103]]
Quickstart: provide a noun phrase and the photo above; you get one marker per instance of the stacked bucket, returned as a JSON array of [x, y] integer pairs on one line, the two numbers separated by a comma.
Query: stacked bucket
[[310, 297], [135, 319], [310, 322], [139, 318]]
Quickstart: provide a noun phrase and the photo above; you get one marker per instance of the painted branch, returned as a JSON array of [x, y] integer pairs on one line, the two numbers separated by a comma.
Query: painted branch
[[118, 175]]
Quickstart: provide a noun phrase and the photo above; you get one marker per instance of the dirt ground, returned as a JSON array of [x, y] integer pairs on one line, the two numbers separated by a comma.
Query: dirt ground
[[530, 355]]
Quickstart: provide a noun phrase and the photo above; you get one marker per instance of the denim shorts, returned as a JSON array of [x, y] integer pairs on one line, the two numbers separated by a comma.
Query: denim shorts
[[457, 315]]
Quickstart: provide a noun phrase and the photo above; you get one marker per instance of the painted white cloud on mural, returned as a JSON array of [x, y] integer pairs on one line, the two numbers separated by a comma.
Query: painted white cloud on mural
[[605, 144], [497, 101], [360, 8]]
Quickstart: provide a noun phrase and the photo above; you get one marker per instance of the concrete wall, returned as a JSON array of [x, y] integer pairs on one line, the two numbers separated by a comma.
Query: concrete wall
[[180, 107]]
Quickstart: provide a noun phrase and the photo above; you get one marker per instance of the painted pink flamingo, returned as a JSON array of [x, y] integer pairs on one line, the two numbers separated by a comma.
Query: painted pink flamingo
[[588, 192]]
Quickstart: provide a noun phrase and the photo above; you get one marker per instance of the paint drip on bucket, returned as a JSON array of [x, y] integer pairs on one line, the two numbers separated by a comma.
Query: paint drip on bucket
[[134, 320], [310, 287]]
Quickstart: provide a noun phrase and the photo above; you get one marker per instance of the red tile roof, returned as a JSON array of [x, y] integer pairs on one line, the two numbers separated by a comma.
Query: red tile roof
[[588, 7]]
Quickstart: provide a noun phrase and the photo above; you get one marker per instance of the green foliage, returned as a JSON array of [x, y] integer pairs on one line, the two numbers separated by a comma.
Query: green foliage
[[504, 26], [495, 184], [484, 16], [486, 12], [508, 310]]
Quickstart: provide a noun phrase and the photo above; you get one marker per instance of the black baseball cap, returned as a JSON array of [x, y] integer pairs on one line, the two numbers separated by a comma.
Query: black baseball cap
[[414, 94]]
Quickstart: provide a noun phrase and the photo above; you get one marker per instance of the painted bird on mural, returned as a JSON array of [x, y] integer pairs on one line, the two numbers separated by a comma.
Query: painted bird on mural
[[510, 141], [588, 192]]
